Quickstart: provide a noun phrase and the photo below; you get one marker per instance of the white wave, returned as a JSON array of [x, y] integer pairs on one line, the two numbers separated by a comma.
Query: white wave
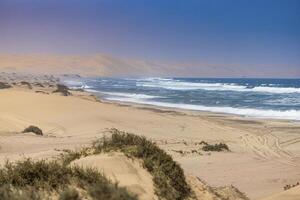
[[71, 83], [180, 85], [154, 79], [91, 90], [276, 89], [177, 85], [284, 101], [130, 95], [259, 113], [78, 84]]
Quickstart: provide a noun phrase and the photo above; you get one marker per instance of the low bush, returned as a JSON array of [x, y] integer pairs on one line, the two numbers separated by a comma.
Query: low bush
[[4, 85], [64, 90], [215, 147], [33, 129]]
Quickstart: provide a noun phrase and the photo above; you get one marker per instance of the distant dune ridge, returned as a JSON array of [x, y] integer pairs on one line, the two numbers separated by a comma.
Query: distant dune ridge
[[106, 65], [101, 65]]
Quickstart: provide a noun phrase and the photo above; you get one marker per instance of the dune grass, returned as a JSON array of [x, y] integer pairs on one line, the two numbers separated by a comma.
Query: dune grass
[[168, 176], [34, 129], [27, 179]]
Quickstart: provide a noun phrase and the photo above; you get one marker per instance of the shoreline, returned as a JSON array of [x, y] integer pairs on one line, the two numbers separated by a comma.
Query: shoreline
[[291, 114], [188, 111]]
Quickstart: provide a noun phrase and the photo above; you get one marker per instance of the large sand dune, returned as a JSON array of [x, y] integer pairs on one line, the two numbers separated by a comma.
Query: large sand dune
[[105, 65]]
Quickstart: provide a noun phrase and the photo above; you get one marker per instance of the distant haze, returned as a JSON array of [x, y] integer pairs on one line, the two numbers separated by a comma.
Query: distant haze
[[206, 38], [104, 65]]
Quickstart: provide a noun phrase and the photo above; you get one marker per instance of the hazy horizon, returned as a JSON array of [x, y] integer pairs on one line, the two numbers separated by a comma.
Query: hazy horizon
[[186, 38]]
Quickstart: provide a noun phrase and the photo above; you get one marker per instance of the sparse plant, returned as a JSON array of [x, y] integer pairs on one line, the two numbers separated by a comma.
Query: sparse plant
[[33, 129], [64, 90], [215, 147], [289, 186], [4, 85]]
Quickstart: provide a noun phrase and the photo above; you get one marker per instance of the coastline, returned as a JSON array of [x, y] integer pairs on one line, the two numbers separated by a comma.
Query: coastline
[[257, 98], [192, 112], [264, 156]]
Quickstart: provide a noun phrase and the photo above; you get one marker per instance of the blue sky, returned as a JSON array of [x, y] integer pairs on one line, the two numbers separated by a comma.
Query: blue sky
[[239, 32]]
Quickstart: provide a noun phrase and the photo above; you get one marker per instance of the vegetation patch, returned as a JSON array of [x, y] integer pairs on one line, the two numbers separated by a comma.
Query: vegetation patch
[[4, 85], [64, 90], [33, 129], [215, 147], [289, 186], [37, 84], [26, 84], [26, 180], [168, 176]]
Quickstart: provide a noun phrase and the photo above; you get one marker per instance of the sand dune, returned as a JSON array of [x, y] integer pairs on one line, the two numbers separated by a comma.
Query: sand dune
[[102, 65], [106, 65], [125, 171]]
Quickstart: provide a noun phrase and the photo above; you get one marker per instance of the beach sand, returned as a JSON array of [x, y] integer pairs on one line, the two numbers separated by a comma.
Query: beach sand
[[264, 154]]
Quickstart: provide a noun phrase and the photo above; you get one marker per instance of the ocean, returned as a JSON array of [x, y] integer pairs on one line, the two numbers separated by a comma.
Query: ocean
[[260, 98]]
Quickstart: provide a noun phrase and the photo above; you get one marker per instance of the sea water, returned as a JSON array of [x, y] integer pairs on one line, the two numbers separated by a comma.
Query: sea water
[[263, 98]]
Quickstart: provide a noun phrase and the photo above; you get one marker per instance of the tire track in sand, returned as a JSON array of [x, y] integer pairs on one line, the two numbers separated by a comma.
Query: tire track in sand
[[269, 147]]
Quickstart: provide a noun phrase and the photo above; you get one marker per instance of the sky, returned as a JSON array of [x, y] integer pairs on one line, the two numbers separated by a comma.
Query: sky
[[241, 33]]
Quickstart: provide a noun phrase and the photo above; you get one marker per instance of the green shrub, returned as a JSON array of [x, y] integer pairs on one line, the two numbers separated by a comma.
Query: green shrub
[[4, 85], [36, 180], [33, 129], [64, 90], [215, 147]]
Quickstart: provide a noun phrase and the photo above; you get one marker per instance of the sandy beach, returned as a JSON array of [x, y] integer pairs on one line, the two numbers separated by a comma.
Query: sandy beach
[[264, 154]]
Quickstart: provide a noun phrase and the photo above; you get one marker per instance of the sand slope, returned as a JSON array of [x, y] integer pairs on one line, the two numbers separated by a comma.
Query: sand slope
[[291, 194], [127, 172]]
